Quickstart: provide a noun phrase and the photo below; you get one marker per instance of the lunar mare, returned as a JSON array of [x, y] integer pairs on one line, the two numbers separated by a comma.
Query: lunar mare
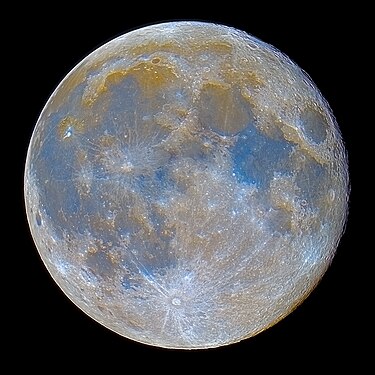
[[186, 185]]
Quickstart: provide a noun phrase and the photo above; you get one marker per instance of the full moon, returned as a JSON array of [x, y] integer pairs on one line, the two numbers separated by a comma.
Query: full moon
[[186, 185]]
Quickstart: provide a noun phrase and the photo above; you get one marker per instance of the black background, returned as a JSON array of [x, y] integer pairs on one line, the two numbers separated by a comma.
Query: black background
[[326, 330]]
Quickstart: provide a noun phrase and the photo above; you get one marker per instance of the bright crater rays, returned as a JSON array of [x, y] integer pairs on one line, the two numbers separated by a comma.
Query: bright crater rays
[[186, 185]]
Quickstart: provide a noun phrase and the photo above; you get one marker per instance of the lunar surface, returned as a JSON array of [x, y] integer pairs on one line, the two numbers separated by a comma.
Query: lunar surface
[[186, 185]]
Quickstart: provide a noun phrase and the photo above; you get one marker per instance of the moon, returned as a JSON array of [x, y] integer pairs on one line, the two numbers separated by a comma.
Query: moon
[[186, 185]]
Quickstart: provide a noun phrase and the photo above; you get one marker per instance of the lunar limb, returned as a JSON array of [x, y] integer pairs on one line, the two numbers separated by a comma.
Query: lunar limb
[[186, 185]]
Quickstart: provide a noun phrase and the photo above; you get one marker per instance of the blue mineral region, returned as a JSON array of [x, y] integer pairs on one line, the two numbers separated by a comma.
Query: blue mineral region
[[256, 157]]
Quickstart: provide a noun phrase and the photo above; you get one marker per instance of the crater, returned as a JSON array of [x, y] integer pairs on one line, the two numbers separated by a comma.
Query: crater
[[314, 125], [38, 219], [70, 126], [176, 301]]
